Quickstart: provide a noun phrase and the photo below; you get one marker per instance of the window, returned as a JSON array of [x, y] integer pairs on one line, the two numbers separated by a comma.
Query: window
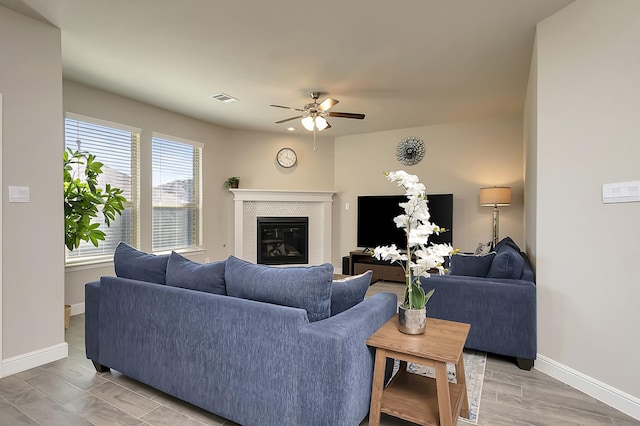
[[116, 146], [177, 193]]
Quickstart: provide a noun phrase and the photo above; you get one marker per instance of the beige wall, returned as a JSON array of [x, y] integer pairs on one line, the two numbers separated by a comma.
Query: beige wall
[[588, 87], [530, 159], [460, 159], [32, 242], [249, 155]]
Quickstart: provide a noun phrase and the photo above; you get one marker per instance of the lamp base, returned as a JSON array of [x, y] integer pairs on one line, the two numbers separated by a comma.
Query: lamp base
[[494, 239]]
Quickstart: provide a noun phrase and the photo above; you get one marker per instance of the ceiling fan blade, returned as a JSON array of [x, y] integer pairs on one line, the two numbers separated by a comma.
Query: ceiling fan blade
[[327, 103], [286, 107], [346, 115], [288, 119]]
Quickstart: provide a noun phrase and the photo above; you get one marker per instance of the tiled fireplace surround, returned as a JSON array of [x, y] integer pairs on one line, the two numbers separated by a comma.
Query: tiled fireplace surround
[[249, 204]]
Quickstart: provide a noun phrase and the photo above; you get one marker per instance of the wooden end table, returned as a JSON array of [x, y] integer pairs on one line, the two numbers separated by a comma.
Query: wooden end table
[[413, 397]]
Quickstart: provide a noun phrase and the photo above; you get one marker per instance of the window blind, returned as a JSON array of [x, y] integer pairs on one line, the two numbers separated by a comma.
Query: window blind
[[117, 147], [177, 182]]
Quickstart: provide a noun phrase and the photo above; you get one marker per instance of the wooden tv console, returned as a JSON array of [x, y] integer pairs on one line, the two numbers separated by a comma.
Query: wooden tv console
[[360, 262]]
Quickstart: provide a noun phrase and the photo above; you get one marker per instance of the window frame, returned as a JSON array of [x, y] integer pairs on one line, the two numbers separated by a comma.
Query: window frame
[[133, 204], [197, 192]]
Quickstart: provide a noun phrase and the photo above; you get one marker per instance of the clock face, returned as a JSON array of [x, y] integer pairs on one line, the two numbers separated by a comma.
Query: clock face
[[287, 157]]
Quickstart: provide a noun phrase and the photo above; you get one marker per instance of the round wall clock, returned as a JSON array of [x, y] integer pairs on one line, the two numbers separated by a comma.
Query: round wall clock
[[410, 151], [287, 157]]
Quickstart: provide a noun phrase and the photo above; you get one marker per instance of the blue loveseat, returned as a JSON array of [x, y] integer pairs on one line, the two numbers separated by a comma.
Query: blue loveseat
[[196, 334], [496, 294]]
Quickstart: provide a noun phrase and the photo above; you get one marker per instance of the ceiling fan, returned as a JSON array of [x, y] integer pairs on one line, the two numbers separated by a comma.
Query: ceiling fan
[[314, 115]]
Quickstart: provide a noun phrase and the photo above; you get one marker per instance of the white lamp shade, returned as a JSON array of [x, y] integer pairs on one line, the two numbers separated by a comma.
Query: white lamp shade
[[308, 123], [321, 123], [495, 196]]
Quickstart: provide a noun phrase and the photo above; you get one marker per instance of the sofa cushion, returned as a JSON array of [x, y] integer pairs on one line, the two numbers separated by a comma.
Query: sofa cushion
[[348, 292], [471, 265], [507, 264], [137, 265], [504, 243], [185, 273], [308, 288], [527, 271]]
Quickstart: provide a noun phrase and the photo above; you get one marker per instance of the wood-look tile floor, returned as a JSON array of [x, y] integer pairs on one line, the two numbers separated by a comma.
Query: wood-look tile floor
[[69, 392]]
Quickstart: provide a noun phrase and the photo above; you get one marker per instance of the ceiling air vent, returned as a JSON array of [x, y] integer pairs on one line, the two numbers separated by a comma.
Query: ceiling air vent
[[223, 97]]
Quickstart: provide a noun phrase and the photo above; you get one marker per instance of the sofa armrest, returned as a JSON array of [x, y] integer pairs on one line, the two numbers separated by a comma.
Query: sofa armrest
[[502, 312], [337, 365], [91, 319]]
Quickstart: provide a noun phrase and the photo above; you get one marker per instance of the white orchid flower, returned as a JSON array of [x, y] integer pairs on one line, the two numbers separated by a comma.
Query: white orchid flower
[[420, 256], [389, 253], [403, 178], [400, 221]]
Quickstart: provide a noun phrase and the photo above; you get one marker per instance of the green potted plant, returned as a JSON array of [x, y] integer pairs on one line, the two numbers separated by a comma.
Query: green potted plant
[[232, 182], [420, 257], [84, 201]]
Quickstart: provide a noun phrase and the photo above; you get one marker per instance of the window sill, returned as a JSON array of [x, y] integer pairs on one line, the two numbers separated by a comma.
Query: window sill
[[82, 265], [105, 262]]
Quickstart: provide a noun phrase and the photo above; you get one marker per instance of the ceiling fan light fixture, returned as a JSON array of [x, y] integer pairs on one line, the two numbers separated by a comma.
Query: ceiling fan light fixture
[[321, 123], [307, 122]]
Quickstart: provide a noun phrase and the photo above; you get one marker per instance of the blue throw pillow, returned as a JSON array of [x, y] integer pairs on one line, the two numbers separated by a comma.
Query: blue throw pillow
[[308, 288], [471, 265], [504, 243], [185, 273], [348, 292], [507, 264], [136, 265]]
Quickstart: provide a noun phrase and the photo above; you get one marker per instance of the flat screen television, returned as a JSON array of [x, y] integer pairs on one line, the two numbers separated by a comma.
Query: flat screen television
[[377, 228]]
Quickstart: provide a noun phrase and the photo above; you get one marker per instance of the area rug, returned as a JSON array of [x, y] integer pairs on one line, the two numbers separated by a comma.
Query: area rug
[[474, 364]]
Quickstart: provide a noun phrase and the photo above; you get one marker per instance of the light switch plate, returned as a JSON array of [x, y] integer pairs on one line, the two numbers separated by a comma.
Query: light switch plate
[[18, 194], [621, 192]]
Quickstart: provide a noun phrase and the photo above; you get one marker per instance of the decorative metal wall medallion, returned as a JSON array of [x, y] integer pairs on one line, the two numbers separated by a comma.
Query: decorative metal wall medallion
[[410, 151]]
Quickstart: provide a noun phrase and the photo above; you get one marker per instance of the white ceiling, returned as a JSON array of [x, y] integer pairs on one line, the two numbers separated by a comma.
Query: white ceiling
[[403, 63]]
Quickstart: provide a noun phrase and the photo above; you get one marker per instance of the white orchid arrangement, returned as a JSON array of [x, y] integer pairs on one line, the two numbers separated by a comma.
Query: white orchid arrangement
[[420, 256]]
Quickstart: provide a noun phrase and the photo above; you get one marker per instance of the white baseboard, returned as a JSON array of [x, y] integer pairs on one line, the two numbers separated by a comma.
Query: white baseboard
[[34, 359], [77, 309], [616, 398]]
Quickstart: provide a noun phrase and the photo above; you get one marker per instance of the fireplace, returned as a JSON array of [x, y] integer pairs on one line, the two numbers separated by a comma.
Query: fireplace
[[283, 240], [249, 204]]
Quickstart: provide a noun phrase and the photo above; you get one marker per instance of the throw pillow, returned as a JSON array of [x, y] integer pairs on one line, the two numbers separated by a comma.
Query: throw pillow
[[185, 273], [308, 288], [137, 265], [471, 265], [483, 248], [506, 242], [507, 264], [348, 292]]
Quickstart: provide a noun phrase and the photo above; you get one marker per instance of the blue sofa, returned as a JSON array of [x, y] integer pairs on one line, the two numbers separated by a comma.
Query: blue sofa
[[496, 294], [250, 361]]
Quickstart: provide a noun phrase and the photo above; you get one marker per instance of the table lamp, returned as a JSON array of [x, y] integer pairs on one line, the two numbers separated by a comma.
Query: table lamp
[[495, 196]]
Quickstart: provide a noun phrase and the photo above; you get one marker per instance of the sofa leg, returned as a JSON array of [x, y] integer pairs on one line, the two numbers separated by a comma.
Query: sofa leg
[[99, 367], [525, 364]]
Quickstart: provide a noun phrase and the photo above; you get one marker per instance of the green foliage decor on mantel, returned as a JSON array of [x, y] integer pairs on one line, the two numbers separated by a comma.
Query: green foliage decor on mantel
[[84, 200], [232, 182]]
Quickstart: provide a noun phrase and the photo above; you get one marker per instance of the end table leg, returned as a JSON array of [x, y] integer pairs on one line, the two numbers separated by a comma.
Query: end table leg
[[444, 399], [377, 387], [461, 379]]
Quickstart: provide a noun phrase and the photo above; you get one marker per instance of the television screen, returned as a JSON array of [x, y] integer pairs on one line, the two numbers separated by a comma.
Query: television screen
[[377, 228]]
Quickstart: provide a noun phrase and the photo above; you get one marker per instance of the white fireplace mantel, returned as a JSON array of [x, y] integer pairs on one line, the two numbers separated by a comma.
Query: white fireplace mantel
[[249, 204]]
